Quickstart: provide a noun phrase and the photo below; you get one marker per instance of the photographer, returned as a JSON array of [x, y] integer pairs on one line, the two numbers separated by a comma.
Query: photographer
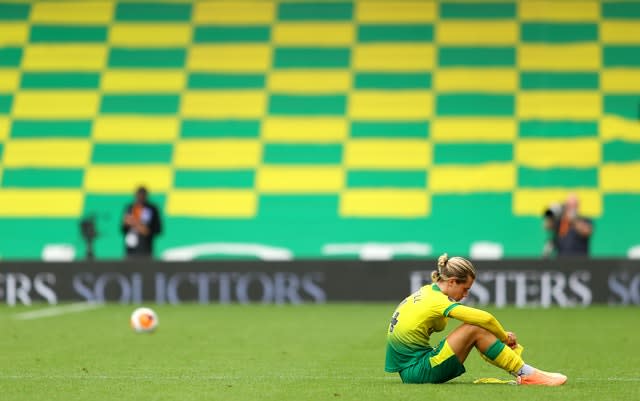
[[570, 232]]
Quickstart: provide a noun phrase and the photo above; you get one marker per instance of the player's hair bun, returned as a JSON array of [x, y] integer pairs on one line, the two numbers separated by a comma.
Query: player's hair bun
[[436, 275], [442, 261]]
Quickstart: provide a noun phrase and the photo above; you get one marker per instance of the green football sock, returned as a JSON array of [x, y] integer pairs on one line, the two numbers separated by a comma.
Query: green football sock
[[504, 357]]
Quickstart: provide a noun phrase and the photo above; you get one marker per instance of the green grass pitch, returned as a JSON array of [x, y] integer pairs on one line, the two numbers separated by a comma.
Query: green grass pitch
[[308, 352]]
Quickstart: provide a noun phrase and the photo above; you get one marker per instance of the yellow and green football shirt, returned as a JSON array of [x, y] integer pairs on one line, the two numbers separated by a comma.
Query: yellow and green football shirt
[[414, 320], [421, 314]]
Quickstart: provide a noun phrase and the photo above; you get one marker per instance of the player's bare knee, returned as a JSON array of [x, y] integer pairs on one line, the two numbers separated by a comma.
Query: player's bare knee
[[470, 329], [474, 331]]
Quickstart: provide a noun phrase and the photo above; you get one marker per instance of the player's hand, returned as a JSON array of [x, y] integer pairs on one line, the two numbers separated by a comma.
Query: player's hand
[[512, 340]]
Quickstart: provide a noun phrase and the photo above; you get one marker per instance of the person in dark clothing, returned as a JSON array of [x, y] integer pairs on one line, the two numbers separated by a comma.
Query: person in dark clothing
[[570, 232], [140, 225]]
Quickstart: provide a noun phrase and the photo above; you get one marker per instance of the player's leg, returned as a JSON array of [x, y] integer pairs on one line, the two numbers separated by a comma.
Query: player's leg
[[445, 362], [518, 349], [467, 336], [437, 366], [463, 339]]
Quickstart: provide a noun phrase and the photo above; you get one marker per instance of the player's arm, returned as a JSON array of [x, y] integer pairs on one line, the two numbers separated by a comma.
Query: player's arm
[[480, 318]]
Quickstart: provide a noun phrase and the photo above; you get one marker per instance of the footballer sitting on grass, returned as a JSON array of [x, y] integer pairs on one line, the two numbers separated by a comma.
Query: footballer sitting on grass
[[428, 309]]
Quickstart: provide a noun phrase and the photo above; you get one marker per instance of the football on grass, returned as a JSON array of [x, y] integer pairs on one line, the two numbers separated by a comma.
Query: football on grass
[[144, 320]]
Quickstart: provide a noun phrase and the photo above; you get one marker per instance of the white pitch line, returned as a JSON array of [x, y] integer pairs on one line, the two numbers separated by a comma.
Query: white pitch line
[[610, 379], [57, 310], [160, 377], [189, 377]]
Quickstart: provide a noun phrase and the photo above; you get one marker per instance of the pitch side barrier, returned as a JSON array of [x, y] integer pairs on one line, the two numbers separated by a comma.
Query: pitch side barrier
[[524, 283]]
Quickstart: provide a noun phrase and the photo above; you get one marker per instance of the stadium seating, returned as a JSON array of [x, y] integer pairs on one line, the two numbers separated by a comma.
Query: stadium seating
[[300, 124]]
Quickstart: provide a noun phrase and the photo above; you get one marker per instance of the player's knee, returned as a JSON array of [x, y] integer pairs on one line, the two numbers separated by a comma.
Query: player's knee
[[474, 331], [470, 327]]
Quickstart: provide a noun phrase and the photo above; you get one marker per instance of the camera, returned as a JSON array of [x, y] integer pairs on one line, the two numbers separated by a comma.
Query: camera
[[89, 233], [554, 211]]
